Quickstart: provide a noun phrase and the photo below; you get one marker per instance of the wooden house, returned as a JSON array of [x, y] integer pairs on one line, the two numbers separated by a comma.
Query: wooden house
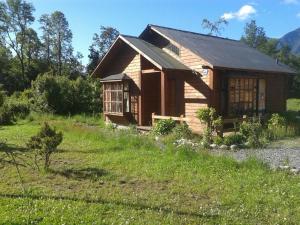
[[171, 72]]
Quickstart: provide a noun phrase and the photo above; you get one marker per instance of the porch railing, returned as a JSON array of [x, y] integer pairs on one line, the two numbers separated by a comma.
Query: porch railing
[[181, 119]]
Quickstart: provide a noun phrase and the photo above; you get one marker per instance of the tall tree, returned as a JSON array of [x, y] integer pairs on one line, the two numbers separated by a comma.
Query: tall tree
[[46, 28], [214, 27], [101, 44], [61, 36], [15, 18], [254, 36], [32, 46]]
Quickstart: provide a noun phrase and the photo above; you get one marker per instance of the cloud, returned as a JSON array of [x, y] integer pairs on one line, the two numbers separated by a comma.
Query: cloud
[[288, 2], [243, 13], [298, 15]]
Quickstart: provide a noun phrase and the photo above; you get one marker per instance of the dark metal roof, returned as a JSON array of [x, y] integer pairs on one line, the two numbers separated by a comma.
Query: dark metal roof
[[155, 54], [116, 77], [223, 52]]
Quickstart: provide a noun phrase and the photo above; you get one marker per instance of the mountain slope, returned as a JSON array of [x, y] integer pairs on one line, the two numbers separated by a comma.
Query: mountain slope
[[291, 39]]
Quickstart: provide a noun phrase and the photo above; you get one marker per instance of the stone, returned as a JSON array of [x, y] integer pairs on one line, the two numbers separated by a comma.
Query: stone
[[213, 146], [295, 170], [234, 147], [224, 147], [284, 167]]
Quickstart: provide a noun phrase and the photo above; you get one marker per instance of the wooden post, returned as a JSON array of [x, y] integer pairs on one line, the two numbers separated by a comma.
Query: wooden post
[[181, 119], [153, 120], [163, 93], [140, 109]]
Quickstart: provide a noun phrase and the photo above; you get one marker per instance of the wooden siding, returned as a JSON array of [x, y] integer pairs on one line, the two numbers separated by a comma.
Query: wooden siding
[[128, 61]]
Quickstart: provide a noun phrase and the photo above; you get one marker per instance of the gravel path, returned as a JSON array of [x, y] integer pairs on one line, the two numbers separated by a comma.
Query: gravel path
[[274, 157]]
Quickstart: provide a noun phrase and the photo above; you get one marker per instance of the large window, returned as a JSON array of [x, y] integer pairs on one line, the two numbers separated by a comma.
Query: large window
[[246, 96], [116, 97]]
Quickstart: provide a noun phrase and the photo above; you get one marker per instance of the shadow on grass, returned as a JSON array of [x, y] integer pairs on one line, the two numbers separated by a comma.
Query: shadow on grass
[[137, 206], [81, 174], [17, 151]]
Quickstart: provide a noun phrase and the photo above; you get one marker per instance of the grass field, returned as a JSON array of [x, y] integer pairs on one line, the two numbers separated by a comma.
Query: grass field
[[293, 104], [101, 176]]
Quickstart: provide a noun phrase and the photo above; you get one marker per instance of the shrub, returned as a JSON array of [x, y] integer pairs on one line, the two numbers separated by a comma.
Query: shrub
[[182, 131], [213, 122], [59, 94], [234, 139], [218, 140], [45, 143], [252, 132], [277, 127], [12, 109], [163, 127]]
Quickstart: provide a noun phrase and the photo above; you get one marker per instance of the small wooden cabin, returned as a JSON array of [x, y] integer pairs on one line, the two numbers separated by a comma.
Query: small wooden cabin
[[172, 72]]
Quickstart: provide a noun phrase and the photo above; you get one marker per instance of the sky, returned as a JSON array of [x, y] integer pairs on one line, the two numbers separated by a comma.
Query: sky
[[85, 17]]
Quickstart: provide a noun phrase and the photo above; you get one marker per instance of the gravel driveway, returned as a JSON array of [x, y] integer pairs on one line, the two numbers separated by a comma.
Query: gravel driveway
[[274, 157]]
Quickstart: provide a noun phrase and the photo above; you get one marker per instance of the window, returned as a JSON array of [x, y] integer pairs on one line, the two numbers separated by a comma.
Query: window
[[246, 96], [116, 97], [173, 48]]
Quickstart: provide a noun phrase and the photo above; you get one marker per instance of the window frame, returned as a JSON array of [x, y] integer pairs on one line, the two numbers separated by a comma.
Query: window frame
[[109, 104], [244, 95]]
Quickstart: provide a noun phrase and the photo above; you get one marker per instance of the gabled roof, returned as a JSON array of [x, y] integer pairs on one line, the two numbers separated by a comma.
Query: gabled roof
[[116, 77], [155, 55], [222, 52]]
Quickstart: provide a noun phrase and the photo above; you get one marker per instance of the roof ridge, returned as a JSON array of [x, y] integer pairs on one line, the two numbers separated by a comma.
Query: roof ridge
[[192, 32]]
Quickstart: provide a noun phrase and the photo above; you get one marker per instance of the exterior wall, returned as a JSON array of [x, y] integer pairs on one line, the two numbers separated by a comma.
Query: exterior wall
[[127, 61], [276, 92]]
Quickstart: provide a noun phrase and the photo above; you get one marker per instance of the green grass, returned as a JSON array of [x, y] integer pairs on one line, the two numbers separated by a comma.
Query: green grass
[[293, 104], [102, 177]]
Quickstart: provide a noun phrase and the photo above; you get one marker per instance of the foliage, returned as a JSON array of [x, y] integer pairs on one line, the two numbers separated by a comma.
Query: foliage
[[163, 127], [15, 17], [182, 131], [252, 131], [58, 94], [46, 143], [255, 36], [234, 139], [12, 109], [214, 27], [101, 44], [212, 121]]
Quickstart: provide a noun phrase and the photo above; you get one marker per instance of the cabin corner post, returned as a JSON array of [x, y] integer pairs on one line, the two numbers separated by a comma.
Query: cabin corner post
[[140, 109], [163, 86]]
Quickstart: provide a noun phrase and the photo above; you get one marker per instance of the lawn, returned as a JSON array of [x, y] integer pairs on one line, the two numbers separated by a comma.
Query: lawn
[[100, 176]]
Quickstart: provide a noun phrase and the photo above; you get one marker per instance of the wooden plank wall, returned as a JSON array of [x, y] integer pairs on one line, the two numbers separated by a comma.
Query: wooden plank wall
[[197, 88], [128, 61]]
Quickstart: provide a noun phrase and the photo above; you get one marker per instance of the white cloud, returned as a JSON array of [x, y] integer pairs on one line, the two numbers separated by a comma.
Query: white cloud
[[243, 13], [298, 15], [290, 1]]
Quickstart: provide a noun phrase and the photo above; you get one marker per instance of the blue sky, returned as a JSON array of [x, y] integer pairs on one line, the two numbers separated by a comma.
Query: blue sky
[[131, 16]]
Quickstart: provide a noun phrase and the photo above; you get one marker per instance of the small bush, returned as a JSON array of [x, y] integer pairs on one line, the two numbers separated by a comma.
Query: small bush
[[45, 143], [182, 131], [212, 121], [234, 139], [252, 132], [218, 140], [164, 127]]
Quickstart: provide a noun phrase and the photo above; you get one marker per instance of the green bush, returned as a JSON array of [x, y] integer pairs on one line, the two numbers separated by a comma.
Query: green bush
[[163, 127], [12, 109], [252, 131], [45, 143], [212, 121], [182, 131], [59, 94], [234, 139]]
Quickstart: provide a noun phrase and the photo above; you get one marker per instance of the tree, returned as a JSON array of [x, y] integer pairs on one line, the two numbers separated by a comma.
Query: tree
[[46, 143], [214, 27], [254, 36], [101, 44], [45, 22], [15, 18], [61, 36]]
